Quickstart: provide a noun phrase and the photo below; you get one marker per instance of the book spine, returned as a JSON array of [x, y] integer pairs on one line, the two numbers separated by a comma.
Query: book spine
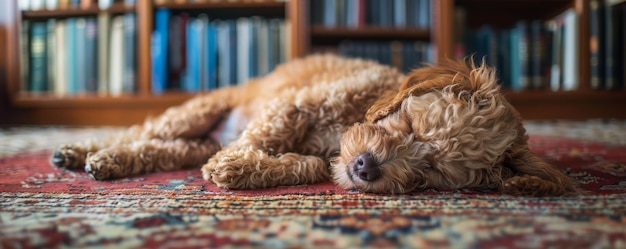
[[609, 46], [233, 53], [570, 49], [60, 82], [51, 52], [223, 52], [25, 55], [596, 45], [129, 83], [160, 38], [536, 56], [104, 40], [72, 84], [81, 55], [91, 55], [211, 56], [243, 49], [38, 58], [262, 47], [116, 59], [203, 22]]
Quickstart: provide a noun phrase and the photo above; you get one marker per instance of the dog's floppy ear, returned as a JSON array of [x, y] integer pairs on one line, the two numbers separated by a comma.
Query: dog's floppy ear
[[419, 82]]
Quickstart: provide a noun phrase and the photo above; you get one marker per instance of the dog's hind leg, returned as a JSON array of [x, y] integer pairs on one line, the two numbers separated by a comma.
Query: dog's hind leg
[[252, 169], [72, 156], [193, 118], [535, 177], [266, 154], [146, 156]]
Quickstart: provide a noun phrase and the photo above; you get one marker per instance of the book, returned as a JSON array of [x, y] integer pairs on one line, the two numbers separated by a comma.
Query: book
[[51, 53], [399, 17], [211, 57], [273, 45], [522, 79], [52, 4], [160, 39], [104, 4], [555, 28], [25, 55], [80, 38], [232, 52], [177, 62], [91, 55], [37, 4], [620, 38], [596, 44], [104, 42], [116, 58], [262, 47], [129, 84], [223, 45], [203, 39], [61, 61], [536, 52], [244, 49], [38, 73], [194, 56], [71, 54], [570, 51]]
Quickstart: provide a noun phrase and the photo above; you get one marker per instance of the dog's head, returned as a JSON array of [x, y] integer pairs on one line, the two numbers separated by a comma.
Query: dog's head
[[446, 127]]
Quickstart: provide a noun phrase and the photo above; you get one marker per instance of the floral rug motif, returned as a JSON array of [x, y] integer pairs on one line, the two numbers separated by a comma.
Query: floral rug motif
[[45, 207]]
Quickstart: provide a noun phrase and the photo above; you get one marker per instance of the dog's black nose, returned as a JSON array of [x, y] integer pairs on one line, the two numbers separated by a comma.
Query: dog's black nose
[[57, 159], [366, 167]]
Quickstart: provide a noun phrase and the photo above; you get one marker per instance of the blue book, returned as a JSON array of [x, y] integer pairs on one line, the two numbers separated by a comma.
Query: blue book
[[253, 48], [160, 38], [516, 61], [72, 60], [38, 57], [232, 53], [91, 56], [211, 57], [194, 57]]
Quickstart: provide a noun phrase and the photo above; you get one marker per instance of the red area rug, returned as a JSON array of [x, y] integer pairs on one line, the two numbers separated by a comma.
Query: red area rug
[[44, 207]]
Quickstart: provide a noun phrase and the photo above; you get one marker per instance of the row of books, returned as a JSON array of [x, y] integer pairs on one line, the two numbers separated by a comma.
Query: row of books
[[541, 54], [532, 54], [86, 55], [404, 55], [383, 13], [34, 5], [607, 30], [198, 54]]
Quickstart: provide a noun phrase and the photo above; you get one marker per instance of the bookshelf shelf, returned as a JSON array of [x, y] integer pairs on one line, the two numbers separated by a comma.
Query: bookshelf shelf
[[370, 32], [117, 8], [221, 5], [95, 101], [60, 13], [305, 38]]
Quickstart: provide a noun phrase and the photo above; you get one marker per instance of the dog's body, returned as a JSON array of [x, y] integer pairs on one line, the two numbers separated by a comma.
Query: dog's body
[[444, 127]]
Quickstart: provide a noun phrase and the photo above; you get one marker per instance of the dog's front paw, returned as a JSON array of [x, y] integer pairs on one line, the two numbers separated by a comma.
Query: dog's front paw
[[531, 186], [69, 157], [227, 174], [102, 166]]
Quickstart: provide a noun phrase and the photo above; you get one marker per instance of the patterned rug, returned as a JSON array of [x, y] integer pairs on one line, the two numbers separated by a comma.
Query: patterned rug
[[44, 207]]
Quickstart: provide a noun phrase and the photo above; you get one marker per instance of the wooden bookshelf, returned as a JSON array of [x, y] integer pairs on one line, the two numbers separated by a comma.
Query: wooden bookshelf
[[21, 108]]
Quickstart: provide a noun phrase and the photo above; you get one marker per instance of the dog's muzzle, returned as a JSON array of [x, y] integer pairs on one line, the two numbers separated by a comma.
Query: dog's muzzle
[[366, 168]]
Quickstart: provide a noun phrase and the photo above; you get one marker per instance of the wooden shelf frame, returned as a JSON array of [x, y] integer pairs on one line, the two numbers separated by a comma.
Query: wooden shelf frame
[[117, 8]]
